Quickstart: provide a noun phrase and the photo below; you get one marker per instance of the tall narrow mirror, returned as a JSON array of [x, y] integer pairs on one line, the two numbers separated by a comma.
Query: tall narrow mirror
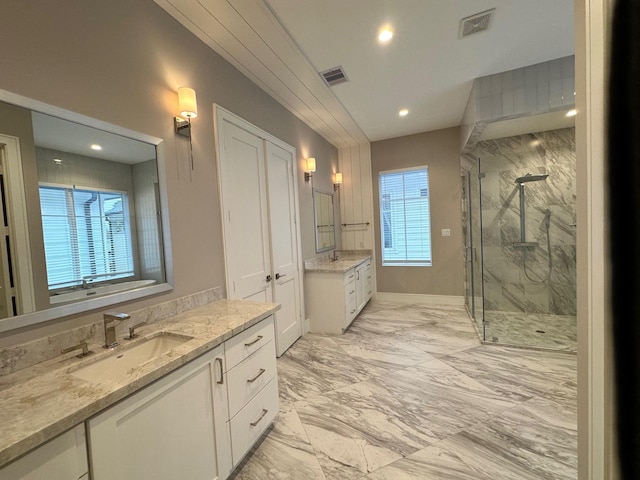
[[324, 221]]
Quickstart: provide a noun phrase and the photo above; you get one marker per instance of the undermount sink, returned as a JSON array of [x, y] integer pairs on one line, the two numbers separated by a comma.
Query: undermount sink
[[122, 361]]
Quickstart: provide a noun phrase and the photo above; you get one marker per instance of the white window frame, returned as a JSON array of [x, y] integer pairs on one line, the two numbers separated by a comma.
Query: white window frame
[[108, 276], [385, 203]]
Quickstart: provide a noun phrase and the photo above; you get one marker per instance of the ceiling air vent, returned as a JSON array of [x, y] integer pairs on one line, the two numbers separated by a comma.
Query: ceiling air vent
[[334, 76], [475, 23]]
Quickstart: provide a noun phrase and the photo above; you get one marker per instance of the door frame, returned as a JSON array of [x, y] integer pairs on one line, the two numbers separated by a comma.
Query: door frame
[[19, 229], [220, 115]]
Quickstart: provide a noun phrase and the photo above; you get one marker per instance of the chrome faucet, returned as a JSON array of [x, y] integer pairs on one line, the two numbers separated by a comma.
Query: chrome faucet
[[110, 320]]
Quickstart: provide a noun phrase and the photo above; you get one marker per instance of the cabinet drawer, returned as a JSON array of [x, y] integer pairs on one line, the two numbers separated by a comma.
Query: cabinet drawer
[[250, 376], [351, 310], [350, 276], [349, 293], [248, 342], [253, 419]]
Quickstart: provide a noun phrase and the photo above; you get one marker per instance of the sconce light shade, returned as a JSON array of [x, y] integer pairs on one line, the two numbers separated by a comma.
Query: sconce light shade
[[311, 167], [311, 164], [188, 106], [336, 185]]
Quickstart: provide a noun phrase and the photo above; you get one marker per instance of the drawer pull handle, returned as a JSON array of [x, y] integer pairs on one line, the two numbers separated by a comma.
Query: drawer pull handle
[[255, 341], [264, 412], [369, 292], [251, 380], [219, 362], [352, 311], [352, 291]]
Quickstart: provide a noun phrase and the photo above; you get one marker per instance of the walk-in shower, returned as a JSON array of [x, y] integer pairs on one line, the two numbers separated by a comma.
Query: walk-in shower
[[520, 237]]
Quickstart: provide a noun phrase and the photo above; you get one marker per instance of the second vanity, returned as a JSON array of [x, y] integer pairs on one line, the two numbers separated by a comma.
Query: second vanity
[[337, 290], [206, 393]]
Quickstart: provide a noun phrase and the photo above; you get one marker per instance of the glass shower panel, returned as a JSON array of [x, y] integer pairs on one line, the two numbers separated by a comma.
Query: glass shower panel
[[473, 254]]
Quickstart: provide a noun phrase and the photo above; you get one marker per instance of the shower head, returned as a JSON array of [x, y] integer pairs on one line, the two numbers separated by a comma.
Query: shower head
[[532, 178]]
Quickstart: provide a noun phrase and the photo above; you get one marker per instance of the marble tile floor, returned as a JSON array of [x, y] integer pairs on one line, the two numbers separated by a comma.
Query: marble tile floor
[[557, 332], [408, 392]]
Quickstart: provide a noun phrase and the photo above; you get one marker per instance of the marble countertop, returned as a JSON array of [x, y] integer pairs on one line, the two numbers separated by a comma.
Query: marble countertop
[[43, 401], [342, 265]]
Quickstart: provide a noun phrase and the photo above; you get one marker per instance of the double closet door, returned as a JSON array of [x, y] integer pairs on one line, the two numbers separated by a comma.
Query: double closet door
[[260, 221]]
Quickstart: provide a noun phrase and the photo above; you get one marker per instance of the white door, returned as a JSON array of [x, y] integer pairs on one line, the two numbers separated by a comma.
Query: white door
[[246, 220], [284, 252], [261, 233]]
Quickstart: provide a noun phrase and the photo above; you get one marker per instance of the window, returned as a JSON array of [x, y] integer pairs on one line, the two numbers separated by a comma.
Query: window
[[87, 235], [405, 221]]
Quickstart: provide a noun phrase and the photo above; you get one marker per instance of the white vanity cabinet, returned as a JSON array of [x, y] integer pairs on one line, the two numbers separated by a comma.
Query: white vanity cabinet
[[62, 458], [197, 422], [336, 298], [173, 428]]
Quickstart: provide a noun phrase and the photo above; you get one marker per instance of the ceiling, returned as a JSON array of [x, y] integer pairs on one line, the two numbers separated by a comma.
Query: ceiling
[[282, 45], [71, 137]]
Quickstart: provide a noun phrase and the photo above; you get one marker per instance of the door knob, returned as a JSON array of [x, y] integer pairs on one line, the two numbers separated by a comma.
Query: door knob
[[269, 278], [278, 276]]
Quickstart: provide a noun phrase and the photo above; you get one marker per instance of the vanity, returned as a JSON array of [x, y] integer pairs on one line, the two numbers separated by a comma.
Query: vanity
[[205, 391], [337, 290]]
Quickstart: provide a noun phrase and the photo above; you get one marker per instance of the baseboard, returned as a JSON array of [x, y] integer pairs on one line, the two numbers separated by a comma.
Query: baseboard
[[420, 298]]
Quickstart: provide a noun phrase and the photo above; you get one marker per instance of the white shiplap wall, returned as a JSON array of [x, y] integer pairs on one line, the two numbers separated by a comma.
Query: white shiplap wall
[[356, 197]]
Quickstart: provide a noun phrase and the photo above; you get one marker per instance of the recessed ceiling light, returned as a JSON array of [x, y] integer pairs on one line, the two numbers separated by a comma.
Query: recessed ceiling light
[[385, 35], [572, 113], [57, 161], [96, 147], [404, 112]]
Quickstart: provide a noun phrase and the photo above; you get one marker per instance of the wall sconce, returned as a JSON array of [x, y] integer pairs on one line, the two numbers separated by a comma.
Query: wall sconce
[[311, 167], [188, 109], [336, 185]]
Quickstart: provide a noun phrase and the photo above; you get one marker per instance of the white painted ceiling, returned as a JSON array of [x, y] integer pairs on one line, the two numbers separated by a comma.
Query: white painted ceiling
[[282, 45], [71, 137]]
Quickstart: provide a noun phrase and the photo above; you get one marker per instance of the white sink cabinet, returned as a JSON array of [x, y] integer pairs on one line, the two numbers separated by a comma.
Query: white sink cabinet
[[62, 458], [173, 428], [195, 423], [336, 298]]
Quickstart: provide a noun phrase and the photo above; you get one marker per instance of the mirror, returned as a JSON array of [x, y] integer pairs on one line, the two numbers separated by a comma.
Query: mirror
[[83, 210], [325, 228]]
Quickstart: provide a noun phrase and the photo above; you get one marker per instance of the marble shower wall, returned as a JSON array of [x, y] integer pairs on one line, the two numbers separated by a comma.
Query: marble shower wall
[[514, 278]]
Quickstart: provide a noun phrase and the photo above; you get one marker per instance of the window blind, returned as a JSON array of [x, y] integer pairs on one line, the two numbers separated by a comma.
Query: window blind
[[87, 235], [405, 218]]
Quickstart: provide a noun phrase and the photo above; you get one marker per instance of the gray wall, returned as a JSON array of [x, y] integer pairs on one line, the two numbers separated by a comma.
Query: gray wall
[[121, 62], [439, 151]]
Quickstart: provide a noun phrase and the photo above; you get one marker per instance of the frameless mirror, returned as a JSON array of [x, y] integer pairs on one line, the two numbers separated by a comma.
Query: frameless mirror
[[325, 227], [82, 205]]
